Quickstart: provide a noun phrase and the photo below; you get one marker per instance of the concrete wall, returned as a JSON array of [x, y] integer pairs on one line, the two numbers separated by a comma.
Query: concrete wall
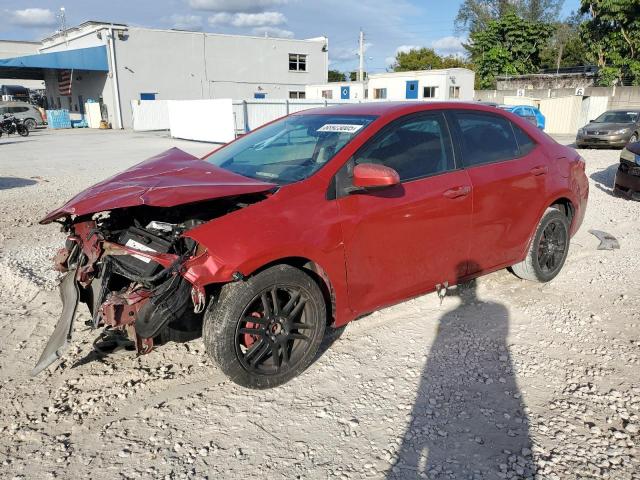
[[619, 97], [545, 81]]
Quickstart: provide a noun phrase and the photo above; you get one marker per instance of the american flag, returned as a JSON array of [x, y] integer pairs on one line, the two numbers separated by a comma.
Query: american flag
[[64, 82]]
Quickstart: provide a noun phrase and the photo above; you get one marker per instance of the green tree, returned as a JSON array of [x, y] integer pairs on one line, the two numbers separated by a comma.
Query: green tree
[[474, 15], [336, 76], [417, 59], [565, 47], [510, 45], [612, 36], [425, 59]]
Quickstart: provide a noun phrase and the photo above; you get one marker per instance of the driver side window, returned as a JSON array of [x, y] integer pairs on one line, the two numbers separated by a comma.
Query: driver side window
[[416, 146]]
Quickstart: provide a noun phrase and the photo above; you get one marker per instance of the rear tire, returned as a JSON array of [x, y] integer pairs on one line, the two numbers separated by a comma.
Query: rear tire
[[266, 330], [548, 250], [30, 123]]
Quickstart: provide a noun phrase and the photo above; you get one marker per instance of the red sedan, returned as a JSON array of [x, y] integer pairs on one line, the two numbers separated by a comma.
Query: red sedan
[[310, 222]]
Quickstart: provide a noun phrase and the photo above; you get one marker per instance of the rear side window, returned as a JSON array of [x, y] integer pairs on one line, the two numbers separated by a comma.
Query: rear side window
[[525, 143], [486, 138]]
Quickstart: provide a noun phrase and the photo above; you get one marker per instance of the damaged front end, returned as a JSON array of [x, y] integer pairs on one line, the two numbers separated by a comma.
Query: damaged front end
[[142, 279]]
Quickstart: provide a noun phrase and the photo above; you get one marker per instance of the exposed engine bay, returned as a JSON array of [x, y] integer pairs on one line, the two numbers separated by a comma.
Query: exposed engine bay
[[132, 268]]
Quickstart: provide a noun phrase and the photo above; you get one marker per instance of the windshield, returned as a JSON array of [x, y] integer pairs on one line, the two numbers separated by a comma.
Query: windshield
[[290, 149], [617, 117]]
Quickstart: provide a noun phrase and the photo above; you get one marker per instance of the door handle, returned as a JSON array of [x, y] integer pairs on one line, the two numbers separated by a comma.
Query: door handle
[[539, 170], [457, 192]]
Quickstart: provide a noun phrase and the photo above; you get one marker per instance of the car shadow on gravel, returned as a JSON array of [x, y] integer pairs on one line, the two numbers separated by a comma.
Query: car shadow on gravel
[[605, 178], [7, 183], [468, 420]]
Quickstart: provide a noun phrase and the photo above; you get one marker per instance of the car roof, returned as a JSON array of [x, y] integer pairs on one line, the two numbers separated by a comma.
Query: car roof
[[382, 109]]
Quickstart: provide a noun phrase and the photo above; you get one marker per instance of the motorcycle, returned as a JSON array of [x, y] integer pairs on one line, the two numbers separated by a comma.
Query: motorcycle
[[9, 124]]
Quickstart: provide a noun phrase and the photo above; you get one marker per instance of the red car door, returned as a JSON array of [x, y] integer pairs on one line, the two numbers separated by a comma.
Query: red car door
[[508, 174], [403, 240]]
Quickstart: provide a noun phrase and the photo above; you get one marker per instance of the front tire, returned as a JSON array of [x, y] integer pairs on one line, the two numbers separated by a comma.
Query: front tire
[[548, 250], [23, 131], [266, 330]]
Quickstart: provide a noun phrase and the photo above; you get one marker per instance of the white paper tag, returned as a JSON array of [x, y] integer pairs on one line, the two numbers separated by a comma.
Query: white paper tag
[[339, 128], [139, 246]]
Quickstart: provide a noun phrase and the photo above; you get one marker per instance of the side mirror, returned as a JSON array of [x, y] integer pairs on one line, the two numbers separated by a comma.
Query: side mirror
[[591, 121], [370, 175]]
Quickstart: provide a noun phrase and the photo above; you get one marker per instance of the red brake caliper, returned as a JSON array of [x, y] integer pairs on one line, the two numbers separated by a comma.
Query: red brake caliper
[[250, 339]]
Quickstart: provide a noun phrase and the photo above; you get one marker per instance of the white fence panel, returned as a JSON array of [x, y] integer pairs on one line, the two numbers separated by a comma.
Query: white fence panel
[[261, 112], [251, 114], [561, 114], [592, 107], [150, 115], [202, 120]]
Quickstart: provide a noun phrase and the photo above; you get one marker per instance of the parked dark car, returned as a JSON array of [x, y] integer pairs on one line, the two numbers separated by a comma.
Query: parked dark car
[[614, 128], [312, 221], [627, 181]]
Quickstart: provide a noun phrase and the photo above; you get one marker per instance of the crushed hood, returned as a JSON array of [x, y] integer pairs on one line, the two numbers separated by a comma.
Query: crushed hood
[[166, 180]]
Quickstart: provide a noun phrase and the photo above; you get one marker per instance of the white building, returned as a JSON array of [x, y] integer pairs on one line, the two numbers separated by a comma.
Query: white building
[[13, 48], [114, 64], [445, 84]]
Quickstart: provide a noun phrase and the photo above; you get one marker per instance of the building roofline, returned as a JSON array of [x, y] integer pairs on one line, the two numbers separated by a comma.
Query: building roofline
[[81, 26], [419, 72], [20, 41], [95, 23], [234, 35]]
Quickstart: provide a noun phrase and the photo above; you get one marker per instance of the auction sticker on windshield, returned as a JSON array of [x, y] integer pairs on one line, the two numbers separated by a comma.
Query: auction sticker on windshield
[[340, 128]]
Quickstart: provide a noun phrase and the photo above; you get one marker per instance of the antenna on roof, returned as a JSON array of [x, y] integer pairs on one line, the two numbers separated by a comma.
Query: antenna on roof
[[62, 18]]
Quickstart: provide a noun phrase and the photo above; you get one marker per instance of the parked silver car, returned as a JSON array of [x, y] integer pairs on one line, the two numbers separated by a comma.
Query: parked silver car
[[29, 114], [614, 128]]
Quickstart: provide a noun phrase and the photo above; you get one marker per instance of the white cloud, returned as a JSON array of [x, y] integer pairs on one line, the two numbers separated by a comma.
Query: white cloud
[[235, 5], [274, 32], [32, 17], [341, 53], [248, 19], [186, 22], [449, 45]]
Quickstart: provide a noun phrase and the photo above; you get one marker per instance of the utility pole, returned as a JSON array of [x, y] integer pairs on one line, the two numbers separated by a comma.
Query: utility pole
[[361, 54]]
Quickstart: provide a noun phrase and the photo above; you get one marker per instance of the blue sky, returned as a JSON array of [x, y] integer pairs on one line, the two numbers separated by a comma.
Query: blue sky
[[389, 25]]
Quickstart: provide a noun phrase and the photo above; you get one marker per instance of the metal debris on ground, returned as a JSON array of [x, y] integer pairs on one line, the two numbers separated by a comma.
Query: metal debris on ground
[[607, 241]]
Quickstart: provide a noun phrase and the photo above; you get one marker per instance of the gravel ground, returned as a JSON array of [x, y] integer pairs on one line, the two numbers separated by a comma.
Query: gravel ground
[[504, 379]]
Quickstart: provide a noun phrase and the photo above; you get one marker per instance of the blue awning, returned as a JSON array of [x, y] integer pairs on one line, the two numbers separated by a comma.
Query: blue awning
[[33, 66]]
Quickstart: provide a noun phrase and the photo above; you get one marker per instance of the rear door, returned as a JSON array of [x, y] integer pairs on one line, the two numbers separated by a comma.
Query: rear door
[[402, 241], [508, 172]]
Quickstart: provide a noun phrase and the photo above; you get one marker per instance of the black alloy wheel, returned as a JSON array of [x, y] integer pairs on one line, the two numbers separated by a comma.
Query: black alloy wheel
[[548, 248], [271, 335], [552, 247], [266, 329]]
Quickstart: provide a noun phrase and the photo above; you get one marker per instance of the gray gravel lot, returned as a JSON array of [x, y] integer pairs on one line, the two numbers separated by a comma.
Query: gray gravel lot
[[505, 379]]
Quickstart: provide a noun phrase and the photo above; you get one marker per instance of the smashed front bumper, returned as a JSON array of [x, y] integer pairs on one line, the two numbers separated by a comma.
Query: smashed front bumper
[[59, 340], [140, 310], [627, 181]]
